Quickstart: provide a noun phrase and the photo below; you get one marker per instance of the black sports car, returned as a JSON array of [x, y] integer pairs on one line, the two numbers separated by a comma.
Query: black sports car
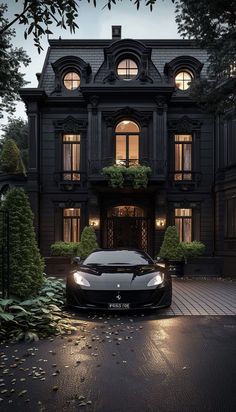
[[118, 279]]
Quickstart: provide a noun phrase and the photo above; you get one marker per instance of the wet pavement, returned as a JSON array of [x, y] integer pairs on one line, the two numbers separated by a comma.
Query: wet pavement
[[124, 362]]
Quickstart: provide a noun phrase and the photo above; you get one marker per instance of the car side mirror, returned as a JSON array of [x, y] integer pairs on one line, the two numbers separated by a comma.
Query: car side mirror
[[76, 260]]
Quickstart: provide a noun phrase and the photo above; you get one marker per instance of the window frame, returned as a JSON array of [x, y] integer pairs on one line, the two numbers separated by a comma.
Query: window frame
[[123, 59], [63, 79], [182, 218], [127, 161], [183, 71], [71, 218], [183, 171], [71, 172]]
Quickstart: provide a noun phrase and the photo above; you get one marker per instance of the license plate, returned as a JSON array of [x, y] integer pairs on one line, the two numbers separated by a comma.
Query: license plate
[[118, 305]]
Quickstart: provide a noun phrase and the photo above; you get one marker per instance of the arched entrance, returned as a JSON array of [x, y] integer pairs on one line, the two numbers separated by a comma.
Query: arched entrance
[[127, 226]]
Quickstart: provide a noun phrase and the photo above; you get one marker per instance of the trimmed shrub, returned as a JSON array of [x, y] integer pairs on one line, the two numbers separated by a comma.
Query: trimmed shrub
[[171, 248], [10, 160], [70, 249], [88, 242], [193, 249], [26, 264]]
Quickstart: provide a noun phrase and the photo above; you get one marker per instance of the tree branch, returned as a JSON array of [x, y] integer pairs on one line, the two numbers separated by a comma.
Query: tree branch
[[5, 28]]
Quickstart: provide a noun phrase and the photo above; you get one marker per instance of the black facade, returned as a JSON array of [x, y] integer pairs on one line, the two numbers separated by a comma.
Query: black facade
[[66, 122]]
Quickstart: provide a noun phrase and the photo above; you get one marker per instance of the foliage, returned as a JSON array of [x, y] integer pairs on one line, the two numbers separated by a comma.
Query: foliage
[[138, 175], [193, 249], [115, 175], [17, 129], [10, 158], [88, 242], [171, 248], [212, 24], [36, 317], [70, 249], [26, 264], [11, 79]]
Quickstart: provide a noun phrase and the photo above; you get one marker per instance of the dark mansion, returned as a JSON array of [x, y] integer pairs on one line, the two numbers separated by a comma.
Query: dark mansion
[[126, 102]]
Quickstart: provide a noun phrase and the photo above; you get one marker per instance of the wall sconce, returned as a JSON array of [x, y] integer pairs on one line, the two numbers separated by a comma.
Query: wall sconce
[[160, 223], [94, 222]]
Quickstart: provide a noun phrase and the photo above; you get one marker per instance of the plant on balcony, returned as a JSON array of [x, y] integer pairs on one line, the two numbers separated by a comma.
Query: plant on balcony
[[88, 242], [115, 175], [10, 160], [138, 175]]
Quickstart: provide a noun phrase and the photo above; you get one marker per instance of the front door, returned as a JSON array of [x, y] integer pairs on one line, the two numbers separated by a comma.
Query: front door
[[127, 227]]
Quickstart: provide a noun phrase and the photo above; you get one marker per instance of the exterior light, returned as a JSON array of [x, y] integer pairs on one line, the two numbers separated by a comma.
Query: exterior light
[[94, 222], [160, 223]]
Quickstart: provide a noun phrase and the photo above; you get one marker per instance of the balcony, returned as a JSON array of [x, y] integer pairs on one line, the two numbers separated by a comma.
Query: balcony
[[185, 180], [158, 168], [70, 180]]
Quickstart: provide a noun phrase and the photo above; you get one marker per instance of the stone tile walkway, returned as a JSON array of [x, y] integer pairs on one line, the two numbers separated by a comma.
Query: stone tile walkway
[[202, 297]]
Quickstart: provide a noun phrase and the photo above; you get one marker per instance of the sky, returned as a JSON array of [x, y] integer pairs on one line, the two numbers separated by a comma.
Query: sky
[[95, 23]]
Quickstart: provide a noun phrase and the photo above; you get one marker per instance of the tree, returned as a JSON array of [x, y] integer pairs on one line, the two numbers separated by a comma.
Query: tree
[[213, 24], [17, 129], [171, 248], [26, 264], [11, 79], [88, 242], [10, 159]]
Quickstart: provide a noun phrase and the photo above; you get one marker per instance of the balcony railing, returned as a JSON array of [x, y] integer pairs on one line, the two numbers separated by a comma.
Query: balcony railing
[[184, 177], [228, 73], [69, 179], [95, 167]]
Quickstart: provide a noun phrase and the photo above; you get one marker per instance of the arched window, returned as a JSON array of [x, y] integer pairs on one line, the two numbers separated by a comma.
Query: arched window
[[127, 143]]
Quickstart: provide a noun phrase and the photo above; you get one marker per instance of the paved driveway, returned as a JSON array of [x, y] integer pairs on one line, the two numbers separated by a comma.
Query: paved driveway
[[202, 297]]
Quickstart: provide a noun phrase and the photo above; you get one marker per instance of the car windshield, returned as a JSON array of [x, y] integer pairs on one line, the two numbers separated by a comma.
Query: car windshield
[[118, 257]]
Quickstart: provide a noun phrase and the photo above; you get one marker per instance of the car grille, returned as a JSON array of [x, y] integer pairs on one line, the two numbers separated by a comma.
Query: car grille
[[139, 297]]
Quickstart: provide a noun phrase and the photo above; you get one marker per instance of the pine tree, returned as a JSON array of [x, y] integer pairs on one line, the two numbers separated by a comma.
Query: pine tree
[[171, 248], [88, 242], [10, 160], [26, 264]]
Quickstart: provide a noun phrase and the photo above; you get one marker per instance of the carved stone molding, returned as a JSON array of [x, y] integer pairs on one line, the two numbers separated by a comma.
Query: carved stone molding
[[111, 118], [184, 125], [69, 125]]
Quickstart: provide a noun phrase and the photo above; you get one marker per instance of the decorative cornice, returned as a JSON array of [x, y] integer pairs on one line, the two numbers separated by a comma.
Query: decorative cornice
[[184, 125], [69, 125]]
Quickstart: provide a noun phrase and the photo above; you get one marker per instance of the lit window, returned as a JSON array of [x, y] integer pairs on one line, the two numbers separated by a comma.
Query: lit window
[[183, 80], [126, 211], [183, 223], [183, 157], [71, 80], [127, 143], [71, 225], [127, 69], [71, 157]]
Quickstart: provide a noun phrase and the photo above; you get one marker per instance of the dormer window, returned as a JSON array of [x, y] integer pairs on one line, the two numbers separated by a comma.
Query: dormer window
[[127, 69], [71, 80], [183, 79]]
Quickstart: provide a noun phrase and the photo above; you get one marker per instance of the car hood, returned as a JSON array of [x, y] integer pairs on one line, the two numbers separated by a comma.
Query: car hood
[[120, 277]]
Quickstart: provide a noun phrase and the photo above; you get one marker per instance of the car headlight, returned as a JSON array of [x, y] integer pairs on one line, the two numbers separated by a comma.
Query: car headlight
[[80, 280], [157, 279]]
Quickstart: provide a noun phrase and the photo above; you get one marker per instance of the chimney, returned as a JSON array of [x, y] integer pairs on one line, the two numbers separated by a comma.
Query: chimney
[[116, 32]]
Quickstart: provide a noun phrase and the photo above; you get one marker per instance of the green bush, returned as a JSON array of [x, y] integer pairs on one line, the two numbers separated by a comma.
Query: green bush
[[171, 248], [70, 249], [115, 175], [88, 242], [193, 249], [36, 317], [139, 175], [10, 160], [26, 264]]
